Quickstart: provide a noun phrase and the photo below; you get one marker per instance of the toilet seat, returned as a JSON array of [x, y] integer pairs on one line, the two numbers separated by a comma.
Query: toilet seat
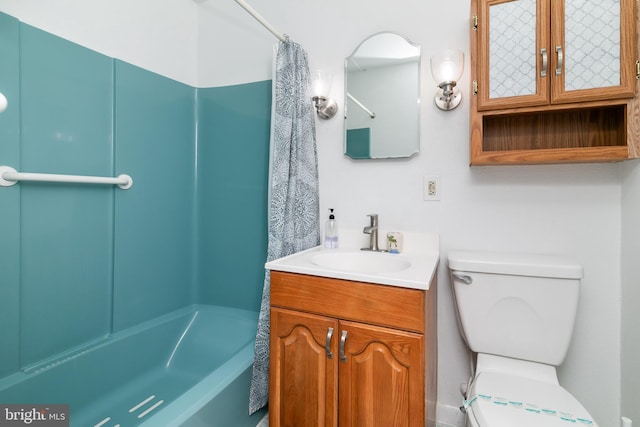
[[500, 400]]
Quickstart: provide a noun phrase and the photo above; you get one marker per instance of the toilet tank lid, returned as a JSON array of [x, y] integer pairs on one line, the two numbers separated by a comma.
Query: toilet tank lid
[[518, 264]]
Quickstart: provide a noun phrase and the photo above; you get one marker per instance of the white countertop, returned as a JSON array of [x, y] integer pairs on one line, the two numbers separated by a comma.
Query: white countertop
[[421, 253]]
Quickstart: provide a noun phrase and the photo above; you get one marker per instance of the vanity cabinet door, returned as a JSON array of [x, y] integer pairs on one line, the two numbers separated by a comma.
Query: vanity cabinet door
[[303, 379], [381, 377]]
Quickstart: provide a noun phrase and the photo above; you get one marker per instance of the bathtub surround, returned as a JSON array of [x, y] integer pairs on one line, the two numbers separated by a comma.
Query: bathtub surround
[[232, 174], [294, 205], [91, 260], [74, 139], [153, 228], [88, 262]]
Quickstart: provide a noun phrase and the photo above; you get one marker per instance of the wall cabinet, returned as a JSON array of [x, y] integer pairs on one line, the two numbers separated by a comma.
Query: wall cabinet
[[348, 353], [554, 81]]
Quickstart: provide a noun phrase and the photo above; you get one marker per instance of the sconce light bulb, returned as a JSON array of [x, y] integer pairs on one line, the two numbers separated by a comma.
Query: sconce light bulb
[[320, 83], [447, 66], [448, 71], [3, 103]]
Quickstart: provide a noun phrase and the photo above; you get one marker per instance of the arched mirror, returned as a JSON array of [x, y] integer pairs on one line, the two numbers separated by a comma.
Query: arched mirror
[[382, 99]]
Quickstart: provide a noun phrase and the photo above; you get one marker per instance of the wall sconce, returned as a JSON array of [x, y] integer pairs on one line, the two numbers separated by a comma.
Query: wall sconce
[[320, 87], [446, 68]]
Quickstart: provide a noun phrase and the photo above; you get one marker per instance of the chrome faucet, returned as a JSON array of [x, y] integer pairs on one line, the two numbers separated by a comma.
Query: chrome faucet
[[372, 230]]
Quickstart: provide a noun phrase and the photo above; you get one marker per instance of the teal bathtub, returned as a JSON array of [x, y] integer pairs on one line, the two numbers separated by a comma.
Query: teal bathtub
[[188, 368]]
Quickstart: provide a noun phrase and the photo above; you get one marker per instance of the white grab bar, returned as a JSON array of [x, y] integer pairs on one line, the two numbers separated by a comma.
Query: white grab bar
[[9, 176]]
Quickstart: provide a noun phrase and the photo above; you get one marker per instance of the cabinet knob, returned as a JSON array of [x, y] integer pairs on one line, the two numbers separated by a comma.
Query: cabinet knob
[[545, 62]]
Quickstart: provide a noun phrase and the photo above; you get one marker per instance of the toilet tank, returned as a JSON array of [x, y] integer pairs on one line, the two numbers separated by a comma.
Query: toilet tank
[[516, 305]]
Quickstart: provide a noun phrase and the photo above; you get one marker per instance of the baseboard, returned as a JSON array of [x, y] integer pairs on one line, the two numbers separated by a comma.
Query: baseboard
[[449, 416]]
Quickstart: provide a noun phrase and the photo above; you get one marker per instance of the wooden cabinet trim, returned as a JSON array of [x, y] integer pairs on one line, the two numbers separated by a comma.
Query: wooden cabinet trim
[[390, 306]]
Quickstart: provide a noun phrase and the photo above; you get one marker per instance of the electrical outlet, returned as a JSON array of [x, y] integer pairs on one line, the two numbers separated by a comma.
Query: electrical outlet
[[431, 187]]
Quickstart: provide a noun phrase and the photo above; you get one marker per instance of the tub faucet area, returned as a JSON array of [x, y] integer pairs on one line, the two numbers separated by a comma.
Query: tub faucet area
[[372, 230]]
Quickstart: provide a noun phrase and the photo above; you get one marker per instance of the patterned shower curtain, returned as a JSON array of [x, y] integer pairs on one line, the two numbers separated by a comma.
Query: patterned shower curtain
[[294, 209]]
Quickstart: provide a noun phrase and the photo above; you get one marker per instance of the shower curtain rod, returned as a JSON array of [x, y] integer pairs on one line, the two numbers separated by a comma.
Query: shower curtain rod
[[361, 105], [261, 20]]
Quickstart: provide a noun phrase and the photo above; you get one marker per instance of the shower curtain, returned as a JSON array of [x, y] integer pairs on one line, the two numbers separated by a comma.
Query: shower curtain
[[294, 209]]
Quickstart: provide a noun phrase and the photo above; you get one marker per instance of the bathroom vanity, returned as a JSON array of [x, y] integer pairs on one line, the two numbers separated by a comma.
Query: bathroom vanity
[[347, 352]]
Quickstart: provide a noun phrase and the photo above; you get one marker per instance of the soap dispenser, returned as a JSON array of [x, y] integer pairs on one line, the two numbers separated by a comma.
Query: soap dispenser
[[331, 231]]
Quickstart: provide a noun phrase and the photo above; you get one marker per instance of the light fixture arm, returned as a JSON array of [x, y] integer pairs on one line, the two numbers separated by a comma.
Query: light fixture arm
[[450, 96], [447, 88], [325, 107]]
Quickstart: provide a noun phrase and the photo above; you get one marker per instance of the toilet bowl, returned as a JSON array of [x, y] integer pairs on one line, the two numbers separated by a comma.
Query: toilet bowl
[[516, 312]]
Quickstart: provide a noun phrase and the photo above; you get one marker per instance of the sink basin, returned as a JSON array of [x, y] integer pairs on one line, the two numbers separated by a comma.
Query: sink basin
[[414, 268], [361, 262]]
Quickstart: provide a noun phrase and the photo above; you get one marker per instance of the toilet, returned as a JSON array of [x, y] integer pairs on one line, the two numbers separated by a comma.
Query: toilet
[[516, 313]]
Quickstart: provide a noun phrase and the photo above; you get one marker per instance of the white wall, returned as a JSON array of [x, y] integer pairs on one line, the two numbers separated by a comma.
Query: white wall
[[573, 210], [630, 290], [160, 36]]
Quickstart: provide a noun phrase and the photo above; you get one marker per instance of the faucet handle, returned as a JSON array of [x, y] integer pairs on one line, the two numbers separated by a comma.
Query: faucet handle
[[374, 219]]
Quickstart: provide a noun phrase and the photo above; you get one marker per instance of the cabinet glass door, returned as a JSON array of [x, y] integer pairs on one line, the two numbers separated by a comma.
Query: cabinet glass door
[[593, 45], [512, 53]]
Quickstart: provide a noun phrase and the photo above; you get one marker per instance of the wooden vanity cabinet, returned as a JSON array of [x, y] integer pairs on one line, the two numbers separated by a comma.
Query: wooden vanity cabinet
[[554, 83], [347, 353]]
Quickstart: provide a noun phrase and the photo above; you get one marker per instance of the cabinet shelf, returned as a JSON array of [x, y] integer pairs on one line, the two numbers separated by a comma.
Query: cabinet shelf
[[584, 128], [587, 134]]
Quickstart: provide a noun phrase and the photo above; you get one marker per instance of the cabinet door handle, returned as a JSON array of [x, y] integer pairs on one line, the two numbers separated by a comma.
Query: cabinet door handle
[[343, 339], [327, 345], [560, 60], [545, 62]]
